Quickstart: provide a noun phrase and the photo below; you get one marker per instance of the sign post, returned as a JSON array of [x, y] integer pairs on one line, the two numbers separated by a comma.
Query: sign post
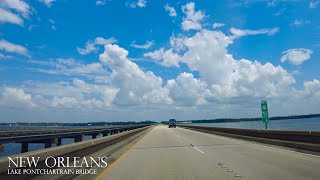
[[265, 114]]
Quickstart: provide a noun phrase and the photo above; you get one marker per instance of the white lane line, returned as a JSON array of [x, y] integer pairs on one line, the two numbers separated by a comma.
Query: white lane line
[[198, 150]]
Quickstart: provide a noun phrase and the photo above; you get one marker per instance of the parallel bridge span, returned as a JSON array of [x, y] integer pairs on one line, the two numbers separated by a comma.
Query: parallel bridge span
[[50, 137]]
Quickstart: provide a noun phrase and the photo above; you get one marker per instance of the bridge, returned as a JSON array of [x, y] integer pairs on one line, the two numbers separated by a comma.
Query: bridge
[[193, 152], [55, 136]]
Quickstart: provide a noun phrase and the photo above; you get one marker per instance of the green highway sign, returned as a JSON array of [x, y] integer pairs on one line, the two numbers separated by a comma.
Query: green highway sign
[[264, 109]]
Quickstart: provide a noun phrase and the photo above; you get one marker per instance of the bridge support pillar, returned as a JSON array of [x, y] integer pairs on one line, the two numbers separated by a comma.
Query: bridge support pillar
[[78, 138], [48, 144], [94, 136], [105, 133], [59, 143], [24, 147]]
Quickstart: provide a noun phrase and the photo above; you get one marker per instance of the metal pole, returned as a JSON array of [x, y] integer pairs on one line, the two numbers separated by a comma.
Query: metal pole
[[266, 125]]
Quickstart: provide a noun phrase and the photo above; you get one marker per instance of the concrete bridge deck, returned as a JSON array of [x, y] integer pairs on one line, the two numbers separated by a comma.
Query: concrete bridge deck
[[179, 153]]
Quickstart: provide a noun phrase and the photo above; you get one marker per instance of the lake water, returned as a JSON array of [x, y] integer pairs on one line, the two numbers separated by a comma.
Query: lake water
[[291, 124]]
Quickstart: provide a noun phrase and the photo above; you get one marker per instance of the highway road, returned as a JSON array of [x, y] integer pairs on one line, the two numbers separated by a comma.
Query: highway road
[[178, 153]]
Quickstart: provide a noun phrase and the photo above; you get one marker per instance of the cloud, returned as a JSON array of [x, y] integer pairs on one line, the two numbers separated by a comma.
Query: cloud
[[313, 4], [166, 58], [224, 83], [280, 12], [103, 41], [101, 2], [296, 56], [3, 56], [171, 10], [210, 81], [236, 33], [91, 45], [15, 98], [70, 67], [271, 3], [187, 90], [13, 48], [217, 25], [48, 3], [207, 53], [147, 45], [138, 3], [18, 6], [12, 10], [298, 23], [8, 17], [76, 94], [193, 18], [53, 26], [134, 85], [222, 77]]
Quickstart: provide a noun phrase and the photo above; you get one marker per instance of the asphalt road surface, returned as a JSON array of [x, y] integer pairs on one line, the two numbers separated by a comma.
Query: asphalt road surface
[[178, 153]]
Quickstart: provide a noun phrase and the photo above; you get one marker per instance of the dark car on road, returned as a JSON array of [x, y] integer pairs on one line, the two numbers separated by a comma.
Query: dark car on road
[[172, 123]]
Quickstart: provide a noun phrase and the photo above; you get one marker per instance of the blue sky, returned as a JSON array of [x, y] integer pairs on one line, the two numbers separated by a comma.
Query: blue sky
[[136, 60]]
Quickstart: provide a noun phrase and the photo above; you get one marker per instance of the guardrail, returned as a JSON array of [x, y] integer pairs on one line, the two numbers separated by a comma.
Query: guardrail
[[50, 137], [303, 140]]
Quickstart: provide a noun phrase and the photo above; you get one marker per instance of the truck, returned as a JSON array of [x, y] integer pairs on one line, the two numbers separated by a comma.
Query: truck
[[172, 123]]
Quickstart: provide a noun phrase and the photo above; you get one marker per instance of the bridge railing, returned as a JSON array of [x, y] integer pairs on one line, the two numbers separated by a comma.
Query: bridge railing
[[303, 140], [50, 137]]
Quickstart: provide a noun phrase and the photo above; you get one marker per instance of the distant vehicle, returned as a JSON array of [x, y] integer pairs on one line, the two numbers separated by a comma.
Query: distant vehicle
[[172, 123]]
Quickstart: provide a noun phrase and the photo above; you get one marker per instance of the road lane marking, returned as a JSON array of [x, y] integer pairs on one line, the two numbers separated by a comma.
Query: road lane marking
[[198, 149]]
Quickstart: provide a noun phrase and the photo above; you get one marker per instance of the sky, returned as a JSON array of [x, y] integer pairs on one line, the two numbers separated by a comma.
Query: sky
[[134, 60]]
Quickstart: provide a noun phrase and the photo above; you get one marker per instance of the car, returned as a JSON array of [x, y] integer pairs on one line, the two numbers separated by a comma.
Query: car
[[172, 123]]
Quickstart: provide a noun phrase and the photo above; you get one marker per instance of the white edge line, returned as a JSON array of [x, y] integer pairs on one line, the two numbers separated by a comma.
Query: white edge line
[[198, 150]]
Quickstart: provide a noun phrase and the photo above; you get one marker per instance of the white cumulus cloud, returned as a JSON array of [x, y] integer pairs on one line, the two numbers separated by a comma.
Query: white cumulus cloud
[[91, 46], [171, 10], [193, 18], [165, 57], [132, 82], [15, 98], [296, 56]]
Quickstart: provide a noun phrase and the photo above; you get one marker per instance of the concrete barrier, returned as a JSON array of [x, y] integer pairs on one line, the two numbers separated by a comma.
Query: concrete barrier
[[301, 140]]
